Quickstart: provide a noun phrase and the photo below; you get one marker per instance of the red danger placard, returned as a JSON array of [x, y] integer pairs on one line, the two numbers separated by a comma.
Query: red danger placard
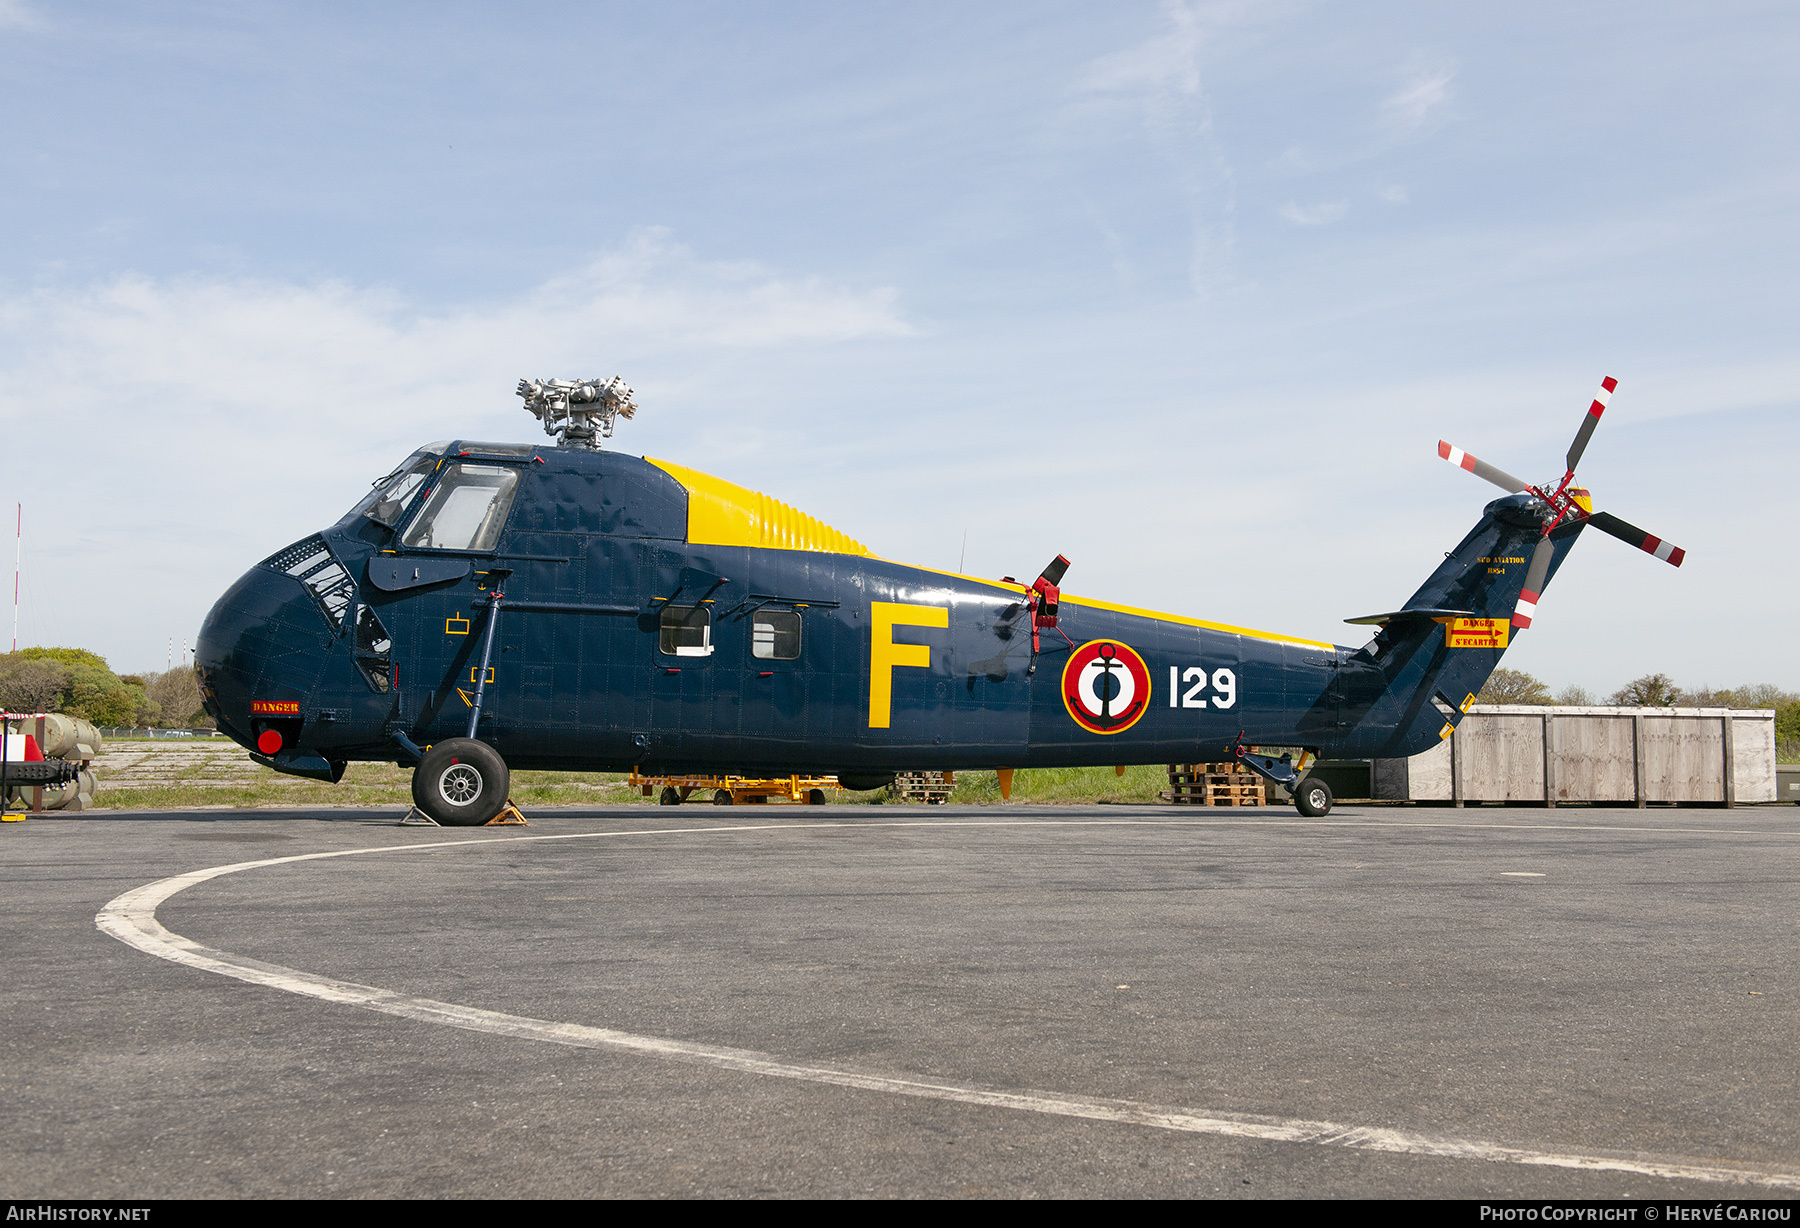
[[275, 707], [1106, 686]]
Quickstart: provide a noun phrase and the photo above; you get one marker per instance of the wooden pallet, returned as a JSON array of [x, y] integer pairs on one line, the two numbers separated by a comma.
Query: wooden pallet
[[1213, 784], [932, 788]]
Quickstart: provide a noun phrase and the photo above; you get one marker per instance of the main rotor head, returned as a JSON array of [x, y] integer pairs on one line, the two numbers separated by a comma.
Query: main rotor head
[[578, 413]]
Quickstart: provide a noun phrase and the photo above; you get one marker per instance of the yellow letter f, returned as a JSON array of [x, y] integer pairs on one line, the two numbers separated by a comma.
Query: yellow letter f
[[884, 654]]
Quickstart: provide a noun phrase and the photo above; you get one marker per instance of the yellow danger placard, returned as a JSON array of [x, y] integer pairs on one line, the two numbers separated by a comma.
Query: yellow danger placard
[[1476, 632]]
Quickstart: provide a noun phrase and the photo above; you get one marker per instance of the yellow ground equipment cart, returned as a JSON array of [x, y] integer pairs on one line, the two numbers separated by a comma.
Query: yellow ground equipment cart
[[735, 790]]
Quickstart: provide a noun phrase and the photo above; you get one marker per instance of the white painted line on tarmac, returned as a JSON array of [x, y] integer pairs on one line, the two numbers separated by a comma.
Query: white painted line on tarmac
[[1519, 874], [131, 918]]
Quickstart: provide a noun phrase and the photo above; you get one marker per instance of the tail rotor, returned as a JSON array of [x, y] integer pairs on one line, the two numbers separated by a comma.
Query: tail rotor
[[1563, 503]]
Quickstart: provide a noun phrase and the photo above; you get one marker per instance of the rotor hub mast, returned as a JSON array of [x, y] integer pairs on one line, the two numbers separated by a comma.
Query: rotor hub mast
[[578, 413]]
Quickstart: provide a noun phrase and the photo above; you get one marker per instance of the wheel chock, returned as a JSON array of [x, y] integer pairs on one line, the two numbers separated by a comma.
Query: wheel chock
[[509, 816], [418, 818]]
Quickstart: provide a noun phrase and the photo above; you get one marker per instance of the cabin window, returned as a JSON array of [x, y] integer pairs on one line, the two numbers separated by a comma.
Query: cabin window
[[775, 635], [465, 510], [387, 502], [686, 631]]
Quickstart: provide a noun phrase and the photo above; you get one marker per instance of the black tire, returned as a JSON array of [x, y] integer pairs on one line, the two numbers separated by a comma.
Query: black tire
[[815, 797], [461, 783], [668, 797], [721, 797], [1312, 798]]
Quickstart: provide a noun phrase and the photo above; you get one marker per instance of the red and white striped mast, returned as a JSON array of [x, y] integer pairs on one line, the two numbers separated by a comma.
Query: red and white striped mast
[[18, 558]]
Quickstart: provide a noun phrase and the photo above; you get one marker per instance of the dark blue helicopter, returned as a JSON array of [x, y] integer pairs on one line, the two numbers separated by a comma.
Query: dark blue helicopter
[[490, 605]]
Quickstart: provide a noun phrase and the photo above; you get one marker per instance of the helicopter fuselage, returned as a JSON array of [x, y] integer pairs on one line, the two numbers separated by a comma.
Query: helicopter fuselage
[[654, 618]]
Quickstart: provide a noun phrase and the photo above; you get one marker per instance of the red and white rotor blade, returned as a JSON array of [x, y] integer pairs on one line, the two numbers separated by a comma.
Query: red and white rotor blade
[[1631, 535], [1591, 421], [1480, 468], [1526, 609]]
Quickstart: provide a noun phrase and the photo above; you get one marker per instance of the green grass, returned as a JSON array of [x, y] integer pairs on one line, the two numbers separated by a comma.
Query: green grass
[[364, 784], [383, 784]]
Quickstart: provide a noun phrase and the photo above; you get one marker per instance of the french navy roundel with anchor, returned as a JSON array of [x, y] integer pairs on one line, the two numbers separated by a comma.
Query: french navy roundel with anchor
[[1106, 686]]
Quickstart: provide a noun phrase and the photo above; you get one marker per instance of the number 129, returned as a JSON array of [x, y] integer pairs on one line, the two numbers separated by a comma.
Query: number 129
[[1224, 683]]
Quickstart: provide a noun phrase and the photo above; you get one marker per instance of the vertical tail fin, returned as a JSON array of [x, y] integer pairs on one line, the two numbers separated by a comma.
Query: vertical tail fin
[[1412, 683]]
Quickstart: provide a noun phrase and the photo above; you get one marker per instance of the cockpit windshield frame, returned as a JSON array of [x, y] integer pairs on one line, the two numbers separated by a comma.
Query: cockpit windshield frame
[[387, 503], [454, 515]]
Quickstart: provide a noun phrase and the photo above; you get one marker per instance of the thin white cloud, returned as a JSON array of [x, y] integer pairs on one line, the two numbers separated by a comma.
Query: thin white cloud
[[657, 290], [1167, 61], [1395, 194], [277, 345], [14, 15], [1157, 85], [1314, 215], [1422, 99]]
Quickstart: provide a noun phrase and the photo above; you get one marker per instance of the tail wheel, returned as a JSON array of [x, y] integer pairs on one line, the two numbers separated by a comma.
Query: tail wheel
[[1313, 798], [668, 797], [461, 783]]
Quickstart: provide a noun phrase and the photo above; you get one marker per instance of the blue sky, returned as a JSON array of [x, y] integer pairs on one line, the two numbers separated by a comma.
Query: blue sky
[[1187, 292]]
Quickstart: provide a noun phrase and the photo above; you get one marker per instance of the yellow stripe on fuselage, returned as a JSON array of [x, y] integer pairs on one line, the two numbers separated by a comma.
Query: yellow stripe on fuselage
[[722, 513], [1185, 621], [1097, 604]]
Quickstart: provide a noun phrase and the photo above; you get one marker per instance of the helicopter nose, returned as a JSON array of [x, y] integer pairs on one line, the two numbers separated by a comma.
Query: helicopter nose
[[262, 650]]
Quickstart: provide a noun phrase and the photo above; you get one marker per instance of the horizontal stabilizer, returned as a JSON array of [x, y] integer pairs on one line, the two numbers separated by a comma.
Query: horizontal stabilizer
[[1382, 620]]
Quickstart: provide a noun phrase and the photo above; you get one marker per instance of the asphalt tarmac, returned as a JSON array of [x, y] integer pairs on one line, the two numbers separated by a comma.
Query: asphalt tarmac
[[1106, 1001]]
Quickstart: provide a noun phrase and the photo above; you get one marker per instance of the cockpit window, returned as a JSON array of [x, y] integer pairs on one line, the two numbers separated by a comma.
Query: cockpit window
[[465, 510], [387, 502]]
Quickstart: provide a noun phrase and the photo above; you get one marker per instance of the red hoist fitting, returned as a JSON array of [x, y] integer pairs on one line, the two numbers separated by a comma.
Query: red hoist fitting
[[1045, 597]]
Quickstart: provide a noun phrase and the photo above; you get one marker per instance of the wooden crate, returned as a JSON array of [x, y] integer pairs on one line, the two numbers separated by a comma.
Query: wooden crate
[[1213, 784], [1547, 755]]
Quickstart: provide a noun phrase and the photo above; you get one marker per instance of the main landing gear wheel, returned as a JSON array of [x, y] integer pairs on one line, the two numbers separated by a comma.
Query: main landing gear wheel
[[668, 797], [722, 797], [1313, 798], [461, 783]]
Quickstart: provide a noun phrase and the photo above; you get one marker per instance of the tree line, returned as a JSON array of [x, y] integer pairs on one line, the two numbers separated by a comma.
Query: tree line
[[1515, 686], [80, 683]]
